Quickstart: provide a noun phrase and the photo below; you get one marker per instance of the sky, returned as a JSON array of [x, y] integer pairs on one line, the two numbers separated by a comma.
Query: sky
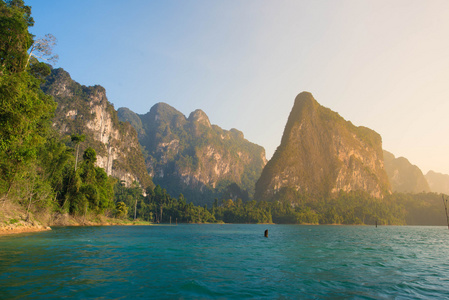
[[381, 64]]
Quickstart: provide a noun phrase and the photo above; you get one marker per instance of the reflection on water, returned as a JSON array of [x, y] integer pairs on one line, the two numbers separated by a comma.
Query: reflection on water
[[226, 261]]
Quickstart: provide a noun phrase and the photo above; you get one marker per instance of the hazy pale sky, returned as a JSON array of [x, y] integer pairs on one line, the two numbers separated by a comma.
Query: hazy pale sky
[[380, 64]]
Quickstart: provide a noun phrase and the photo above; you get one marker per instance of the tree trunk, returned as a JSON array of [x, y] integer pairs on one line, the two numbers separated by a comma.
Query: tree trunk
[[161, 214], [76, 157], [30, 198], [85, 211], [7, 193]]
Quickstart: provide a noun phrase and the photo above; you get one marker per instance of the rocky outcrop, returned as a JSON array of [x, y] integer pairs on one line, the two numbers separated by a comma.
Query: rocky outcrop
[[86, 110], [404, 177], [321, 154], [438, 182], [194, 157]]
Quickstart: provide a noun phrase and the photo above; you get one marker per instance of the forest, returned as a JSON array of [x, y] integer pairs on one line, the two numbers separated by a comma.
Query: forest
[[354, 208], [42, 172]]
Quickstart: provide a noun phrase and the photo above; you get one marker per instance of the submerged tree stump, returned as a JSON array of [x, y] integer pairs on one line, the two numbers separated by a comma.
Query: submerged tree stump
[[445, 208]]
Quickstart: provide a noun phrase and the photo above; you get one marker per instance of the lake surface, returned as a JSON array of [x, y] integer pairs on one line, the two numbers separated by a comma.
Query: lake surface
[[227, 262]]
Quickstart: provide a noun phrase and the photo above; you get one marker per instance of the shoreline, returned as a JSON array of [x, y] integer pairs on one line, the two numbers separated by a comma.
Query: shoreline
[[14, 221], [22, 226], [8, 230]]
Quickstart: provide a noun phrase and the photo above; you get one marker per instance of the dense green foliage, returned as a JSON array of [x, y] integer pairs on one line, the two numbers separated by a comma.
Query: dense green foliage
[[89, 187], [158, 206], [36, 165], [294, 208], [347, 208], [25, 111], [15, 18]]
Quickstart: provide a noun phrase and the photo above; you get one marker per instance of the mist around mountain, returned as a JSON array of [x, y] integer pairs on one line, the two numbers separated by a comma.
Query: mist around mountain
[[408, 178], [404, 177], [438, 182]]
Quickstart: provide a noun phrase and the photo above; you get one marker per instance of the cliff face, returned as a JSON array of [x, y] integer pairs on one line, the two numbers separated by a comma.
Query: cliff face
[[321, 154], [86, 110], [404, 177], [193, 157], [438, 182]]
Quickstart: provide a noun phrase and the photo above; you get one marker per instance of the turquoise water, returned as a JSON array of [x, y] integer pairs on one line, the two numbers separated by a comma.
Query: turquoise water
[[227, 262]]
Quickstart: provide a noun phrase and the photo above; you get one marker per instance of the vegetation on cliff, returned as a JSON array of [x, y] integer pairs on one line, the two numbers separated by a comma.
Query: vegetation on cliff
[[321, 154], [86, 110], [193, 157], [37, 165], [25, 112]]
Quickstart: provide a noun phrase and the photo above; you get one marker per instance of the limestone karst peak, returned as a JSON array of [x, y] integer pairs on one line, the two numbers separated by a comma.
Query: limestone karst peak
[[322, 154], [193, 157], [200, 117]]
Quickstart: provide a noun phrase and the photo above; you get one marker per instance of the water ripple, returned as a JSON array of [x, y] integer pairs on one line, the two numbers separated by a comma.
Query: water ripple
[[227, 262]]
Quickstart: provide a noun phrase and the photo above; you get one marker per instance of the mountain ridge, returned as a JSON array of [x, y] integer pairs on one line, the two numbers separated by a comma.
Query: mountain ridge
[[438, 182], [321, 153], [189, 155], [404, 177]]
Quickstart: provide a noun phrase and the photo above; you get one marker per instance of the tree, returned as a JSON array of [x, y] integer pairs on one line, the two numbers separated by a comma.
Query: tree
[[89, 188], [77, 139], [43, 49], [15, 18], [54, 158], [122, 210], [25, 111], [90, 156]]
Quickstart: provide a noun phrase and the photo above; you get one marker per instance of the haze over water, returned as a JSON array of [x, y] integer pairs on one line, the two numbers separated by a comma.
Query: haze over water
[[226, 262]]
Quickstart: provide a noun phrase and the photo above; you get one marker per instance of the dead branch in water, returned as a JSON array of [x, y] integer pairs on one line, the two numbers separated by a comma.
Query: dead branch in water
[[445, 208]]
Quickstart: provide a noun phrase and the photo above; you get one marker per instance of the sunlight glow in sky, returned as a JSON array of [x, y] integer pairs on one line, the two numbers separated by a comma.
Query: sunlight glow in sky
[[381, 64]]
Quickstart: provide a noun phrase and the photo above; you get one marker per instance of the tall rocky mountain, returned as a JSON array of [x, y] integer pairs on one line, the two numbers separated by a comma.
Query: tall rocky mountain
[[404, 177], [439, 183], [193, 157], [321, 154], [86, 110]]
